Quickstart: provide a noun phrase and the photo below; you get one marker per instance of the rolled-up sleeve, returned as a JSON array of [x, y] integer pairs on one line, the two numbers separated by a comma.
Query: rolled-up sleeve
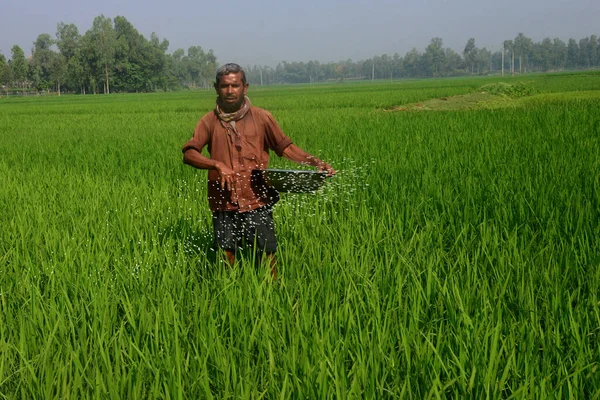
[[200, 138], [275, 138]]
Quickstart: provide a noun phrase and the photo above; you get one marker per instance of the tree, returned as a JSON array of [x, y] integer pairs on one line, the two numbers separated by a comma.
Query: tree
[[88, 60], [483, 59], [104, 42], [177, 69], [41, 61], [434, 56], [397, 65], [67, 40], [545, 51], [58, 70], [18, 67], [470, 53], [412, 63], [572, 54], [559, 53], [454, 62], [201, 66], [592, 49], [339, 72], [510, 47], [584, 54], [522, 46], [4, 74], [76, 71], [194, 60], [131, 71], [497, 62], [155, 62]]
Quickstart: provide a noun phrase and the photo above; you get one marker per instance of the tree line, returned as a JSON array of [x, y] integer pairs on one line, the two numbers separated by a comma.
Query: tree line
[[113, 56], [516, 56]]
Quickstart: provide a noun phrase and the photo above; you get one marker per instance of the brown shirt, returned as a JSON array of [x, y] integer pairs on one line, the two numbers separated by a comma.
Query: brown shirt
[[259, 133]]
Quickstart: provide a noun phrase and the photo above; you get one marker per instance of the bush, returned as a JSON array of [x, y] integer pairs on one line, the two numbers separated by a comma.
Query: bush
[[514, 91]]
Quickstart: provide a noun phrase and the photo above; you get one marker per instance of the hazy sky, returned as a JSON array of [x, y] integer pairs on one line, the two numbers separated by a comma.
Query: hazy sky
[[268, 31]]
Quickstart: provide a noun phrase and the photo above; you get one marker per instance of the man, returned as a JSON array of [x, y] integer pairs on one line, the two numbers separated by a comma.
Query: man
[[238, 137]]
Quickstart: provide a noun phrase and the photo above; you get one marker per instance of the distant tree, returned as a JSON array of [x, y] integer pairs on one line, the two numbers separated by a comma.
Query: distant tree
[[210, 67], [58, 70], [201, 66], [584, 54], [592, 49], [470, 53], [77, 71], [312, 69], [4, 74], [509, 47], [18, 67], [268, 73], [115, 53], [483, 59], [67, 40], [497, 61], [522, 47], [544, 54], [68, 43], [104, 42], [559, 53], [572, 54], [177, 68], [91, 68], [154, 62], [454, 62], [397, 62], [130, 58], [339, 72], [40, 65], [412, 63], [434, 56]]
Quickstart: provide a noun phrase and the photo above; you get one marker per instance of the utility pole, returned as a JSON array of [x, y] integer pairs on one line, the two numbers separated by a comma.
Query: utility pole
[[503, 59], [373, 73], [261, 76], [512, 65]]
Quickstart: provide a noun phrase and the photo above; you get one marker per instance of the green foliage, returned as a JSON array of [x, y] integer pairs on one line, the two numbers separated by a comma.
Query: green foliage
[[517, 90], [454, 256], [4, 72], [18, 66], [113, 54]]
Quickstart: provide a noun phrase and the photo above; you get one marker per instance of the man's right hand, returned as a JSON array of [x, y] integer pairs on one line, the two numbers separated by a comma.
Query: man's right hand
[[227, 175]]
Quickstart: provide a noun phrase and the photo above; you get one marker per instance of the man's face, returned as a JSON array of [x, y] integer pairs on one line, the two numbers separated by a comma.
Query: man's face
[[231, 92]]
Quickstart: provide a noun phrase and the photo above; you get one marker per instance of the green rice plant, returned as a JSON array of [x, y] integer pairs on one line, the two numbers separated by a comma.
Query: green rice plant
[[454, 255]]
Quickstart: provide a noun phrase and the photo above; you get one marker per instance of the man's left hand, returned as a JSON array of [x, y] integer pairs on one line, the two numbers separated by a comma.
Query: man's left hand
[[324, 167]]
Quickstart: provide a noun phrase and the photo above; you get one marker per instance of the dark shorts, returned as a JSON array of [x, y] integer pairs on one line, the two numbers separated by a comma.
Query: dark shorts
[[236, 230]]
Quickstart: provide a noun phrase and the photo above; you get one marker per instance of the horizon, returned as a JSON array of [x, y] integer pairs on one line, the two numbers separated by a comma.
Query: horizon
[[333, 31]]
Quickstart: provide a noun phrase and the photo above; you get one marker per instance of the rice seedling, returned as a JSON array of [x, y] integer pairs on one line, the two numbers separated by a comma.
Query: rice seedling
[[454, 255]]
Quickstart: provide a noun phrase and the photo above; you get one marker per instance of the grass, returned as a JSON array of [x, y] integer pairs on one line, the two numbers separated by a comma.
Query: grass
[[455, 254]]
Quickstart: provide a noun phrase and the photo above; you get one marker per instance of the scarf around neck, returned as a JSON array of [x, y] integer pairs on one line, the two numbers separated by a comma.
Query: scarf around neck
[[228, 120]]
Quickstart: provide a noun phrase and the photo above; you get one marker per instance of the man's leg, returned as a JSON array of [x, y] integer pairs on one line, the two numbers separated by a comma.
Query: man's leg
[[230, 257], [272, 264], [260, 230], [227, 233]]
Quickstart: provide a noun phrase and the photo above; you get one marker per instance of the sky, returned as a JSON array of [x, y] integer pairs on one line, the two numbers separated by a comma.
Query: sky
[[266, 32]]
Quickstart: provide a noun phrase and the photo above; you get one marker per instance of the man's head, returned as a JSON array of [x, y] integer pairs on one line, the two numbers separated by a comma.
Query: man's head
[[230, 68], [231, 87]]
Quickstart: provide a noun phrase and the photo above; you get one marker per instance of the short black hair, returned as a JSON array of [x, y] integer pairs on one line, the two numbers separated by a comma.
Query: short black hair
[[230, 68]]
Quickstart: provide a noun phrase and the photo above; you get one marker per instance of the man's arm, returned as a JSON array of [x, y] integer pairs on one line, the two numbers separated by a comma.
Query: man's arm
[[297, 155], [194, 158]]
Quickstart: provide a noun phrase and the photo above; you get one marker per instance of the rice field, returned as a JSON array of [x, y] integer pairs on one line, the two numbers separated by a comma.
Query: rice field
[[455, 254]]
